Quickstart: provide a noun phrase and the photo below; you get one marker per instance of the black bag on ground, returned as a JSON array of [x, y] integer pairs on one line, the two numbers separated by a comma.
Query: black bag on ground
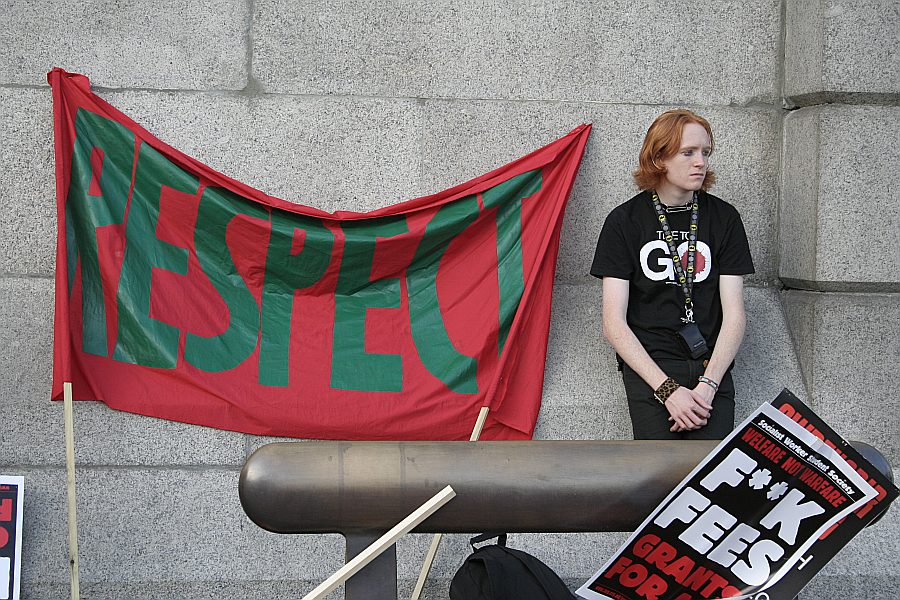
[[495, 572]]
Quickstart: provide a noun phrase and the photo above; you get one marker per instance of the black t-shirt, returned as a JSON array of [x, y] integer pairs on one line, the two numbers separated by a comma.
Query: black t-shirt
[[631, 247]]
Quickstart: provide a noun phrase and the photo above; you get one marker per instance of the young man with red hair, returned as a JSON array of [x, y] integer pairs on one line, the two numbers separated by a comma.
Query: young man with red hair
[[672, 260]]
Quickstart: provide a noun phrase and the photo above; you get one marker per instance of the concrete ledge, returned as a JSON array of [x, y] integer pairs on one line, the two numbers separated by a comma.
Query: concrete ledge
[[143, 554], [182, 590], [847, 586]]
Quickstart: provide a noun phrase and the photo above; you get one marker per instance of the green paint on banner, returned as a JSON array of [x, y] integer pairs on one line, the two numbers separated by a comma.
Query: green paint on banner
[[508, 197], [141, 339], [218, 207], [86, 213], [285, 274], [436, 351], [352, 368]]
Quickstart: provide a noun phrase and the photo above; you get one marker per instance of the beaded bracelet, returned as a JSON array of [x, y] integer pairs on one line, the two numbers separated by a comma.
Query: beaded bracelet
[[713, 384], [665, 390]]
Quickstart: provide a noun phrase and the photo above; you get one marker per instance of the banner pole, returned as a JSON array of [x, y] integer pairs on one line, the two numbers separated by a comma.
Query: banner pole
[[436, 540], [70, 488], [479, 423], [382, 543]]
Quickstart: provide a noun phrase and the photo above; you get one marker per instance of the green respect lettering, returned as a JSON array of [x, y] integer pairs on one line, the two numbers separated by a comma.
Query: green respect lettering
[[352, 368], [299, 253]]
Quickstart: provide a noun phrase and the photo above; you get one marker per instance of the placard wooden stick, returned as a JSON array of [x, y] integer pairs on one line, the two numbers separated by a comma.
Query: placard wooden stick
[[381, 544], [70, 488], [436, 540], [426, 566], [479, 423]]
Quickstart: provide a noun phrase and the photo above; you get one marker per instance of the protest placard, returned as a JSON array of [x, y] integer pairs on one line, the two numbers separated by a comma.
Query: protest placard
[[11, 494], [747, 517], [836, 537]]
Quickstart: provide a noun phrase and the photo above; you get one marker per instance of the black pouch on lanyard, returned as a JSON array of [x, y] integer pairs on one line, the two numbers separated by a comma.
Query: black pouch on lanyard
[[692, 338]]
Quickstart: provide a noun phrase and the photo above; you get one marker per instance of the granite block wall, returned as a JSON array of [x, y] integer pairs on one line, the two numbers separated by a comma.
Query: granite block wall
[[839, 241], [357, 105]]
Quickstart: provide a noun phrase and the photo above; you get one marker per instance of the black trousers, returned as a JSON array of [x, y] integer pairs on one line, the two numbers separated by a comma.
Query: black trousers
[[650, 419]]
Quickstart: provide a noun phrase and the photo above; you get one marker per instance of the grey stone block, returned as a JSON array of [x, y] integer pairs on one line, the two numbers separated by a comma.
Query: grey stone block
[[859, 158], [158, 525], [185, 525], [44, 528], [799, 207], [26, 340], [331, 154], [838, 175], [47, 591], [853, 341], [411, 551], [174, 45], [28, 218], [835, 51], [583, 396], [466, 139], [850, 587], [573, 556], [607, 419], [766, 362], [800, 314], [180, 533], [102, 435], [603, 52], [287, 558]]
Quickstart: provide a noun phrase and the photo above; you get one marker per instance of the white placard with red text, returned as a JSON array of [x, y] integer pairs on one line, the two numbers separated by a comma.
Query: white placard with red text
[[12, 491]]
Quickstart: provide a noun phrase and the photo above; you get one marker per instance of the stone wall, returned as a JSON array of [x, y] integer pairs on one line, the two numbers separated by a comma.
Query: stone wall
[[361, 104], [839, 242]]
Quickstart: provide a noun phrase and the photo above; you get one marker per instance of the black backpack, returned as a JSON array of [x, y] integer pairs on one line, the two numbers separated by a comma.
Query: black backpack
[[495, 572]]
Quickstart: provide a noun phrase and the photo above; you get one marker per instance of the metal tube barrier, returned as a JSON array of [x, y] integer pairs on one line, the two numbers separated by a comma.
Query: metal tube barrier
[[362, 489]]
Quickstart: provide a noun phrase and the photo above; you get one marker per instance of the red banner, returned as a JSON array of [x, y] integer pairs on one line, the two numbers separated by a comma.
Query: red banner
[[186, 295]]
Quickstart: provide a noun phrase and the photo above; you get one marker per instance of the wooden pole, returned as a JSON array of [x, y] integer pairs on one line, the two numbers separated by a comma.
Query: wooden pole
[[479, 424], [382, 543], [70, 488], [436, 540]]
